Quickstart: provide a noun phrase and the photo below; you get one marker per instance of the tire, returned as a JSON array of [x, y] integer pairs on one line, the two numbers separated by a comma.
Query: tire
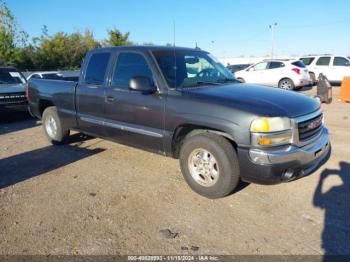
[[53, 128], [225, 174], [313, 78], [241, 80], [286, 83]]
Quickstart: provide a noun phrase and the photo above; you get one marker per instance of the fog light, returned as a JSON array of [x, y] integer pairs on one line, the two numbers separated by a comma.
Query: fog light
[[288, 175]]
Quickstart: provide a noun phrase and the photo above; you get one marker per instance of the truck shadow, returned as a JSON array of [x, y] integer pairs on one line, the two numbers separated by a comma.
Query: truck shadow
[[15, 121], [21, 167], [336, 204]]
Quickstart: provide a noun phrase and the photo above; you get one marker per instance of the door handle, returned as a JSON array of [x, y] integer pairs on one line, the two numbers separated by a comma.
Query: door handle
[[109, 99]]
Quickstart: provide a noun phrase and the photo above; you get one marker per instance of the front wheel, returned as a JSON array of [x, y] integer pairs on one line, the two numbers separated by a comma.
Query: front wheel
[[287, 84], [55, 132], [209, 164]]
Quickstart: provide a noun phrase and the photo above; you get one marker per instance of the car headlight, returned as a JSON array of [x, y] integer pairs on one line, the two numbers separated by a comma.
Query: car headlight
[[270, 124], [271, 131]]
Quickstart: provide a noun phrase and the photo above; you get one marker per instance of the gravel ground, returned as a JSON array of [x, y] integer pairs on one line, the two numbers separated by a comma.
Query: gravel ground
[[97, 197]]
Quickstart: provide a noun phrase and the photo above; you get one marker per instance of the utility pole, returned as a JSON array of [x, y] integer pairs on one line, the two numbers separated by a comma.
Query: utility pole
[[273, 28]]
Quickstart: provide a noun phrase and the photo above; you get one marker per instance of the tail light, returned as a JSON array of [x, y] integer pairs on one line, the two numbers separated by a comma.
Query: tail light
[[27, 91], [296, 70]]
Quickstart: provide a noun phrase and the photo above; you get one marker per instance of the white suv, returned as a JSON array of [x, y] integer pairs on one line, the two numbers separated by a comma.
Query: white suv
[[335, 68], [286, 74]]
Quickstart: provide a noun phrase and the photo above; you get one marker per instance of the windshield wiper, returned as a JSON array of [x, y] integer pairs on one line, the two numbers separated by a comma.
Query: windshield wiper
[[227, 80], [201, 83]]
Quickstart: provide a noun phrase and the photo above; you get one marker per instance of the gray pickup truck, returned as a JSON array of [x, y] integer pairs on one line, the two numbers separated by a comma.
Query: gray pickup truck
[[12, 90], [183, 103]]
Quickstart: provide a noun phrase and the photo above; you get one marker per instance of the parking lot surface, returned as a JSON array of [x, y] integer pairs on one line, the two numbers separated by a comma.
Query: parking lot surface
[[97, 197]]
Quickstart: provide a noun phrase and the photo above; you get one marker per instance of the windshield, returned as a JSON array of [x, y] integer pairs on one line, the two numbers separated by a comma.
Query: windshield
[[191, 68], [11, 76]]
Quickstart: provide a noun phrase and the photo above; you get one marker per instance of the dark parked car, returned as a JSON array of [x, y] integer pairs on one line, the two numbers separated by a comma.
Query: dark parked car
[[183, 103], [239, 67], [12, 90]]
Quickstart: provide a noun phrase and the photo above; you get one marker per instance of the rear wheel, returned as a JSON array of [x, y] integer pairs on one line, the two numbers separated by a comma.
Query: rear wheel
[[209, 164], [55, 132], [287, 84]]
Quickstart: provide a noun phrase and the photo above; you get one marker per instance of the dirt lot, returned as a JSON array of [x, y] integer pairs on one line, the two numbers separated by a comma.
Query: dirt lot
[[97, 197]]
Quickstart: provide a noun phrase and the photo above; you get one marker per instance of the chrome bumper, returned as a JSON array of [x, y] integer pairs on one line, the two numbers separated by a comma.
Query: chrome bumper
[[308, 154]]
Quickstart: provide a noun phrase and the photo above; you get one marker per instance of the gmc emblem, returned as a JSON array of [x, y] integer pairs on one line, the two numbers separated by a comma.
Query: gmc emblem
[[315, 124]]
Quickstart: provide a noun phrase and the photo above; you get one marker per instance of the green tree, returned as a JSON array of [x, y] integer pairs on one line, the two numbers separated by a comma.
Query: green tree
[[63, 51], [11, 38], [117, 38]]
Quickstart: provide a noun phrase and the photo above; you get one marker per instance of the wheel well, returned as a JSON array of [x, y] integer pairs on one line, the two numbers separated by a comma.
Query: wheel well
[[182, 131], [43, 104], [284, 79]]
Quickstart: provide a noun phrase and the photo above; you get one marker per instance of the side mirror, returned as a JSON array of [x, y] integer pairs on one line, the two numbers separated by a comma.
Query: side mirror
[[142, 84]]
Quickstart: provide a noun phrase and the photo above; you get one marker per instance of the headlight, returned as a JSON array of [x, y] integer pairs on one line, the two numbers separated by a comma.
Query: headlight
[[270, 124], [271, 131]]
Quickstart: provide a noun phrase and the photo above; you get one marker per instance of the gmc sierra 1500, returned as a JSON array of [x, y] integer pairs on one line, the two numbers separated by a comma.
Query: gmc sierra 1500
[[183, 103]]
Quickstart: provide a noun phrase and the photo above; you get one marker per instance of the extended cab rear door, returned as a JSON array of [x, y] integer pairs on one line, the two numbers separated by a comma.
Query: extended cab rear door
[[90, 92]]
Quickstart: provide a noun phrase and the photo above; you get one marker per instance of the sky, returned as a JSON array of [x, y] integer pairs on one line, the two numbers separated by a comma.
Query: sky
[[227, 28]]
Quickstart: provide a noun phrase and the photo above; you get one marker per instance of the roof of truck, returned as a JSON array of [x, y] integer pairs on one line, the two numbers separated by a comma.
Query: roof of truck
[[149, 48]]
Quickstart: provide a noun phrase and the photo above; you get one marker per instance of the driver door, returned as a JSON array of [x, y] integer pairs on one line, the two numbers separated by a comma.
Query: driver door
[[133, 117]]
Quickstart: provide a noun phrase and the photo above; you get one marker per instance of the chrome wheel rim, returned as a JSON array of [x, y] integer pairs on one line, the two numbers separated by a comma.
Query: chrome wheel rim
[[203, 167], [51, 127], [286, 84]]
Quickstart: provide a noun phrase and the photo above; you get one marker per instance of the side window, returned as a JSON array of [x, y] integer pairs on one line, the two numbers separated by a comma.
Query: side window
[[340, 61], [128, 66], [260, 66], [323, 61], [35, 76], [274, 65], [307, 60], [96, 69]]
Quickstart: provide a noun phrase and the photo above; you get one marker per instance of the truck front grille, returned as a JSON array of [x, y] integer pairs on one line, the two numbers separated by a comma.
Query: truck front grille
[[14, 98], [309, 128]]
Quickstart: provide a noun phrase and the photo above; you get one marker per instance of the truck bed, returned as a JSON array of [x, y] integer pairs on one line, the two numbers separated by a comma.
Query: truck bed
[[45, 91]]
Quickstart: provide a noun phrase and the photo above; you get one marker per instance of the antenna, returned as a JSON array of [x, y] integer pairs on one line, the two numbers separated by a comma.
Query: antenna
[[174, 46], [174, 32]]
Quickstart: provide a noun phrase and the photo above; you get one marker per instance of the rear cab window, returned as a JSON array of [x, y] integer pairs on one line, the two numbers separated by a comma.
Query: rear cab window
[[97, 68], [323, 61]]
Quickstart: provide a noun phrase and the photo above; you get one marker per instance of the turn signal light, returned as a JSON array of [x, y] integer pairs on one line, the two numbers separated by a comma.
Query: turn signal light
[[264, 141]]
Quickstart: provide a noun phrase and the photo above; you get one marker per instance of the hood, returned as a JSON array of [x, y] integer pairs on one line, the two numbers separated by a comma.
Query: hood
[[12, 88], [259, 100]]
